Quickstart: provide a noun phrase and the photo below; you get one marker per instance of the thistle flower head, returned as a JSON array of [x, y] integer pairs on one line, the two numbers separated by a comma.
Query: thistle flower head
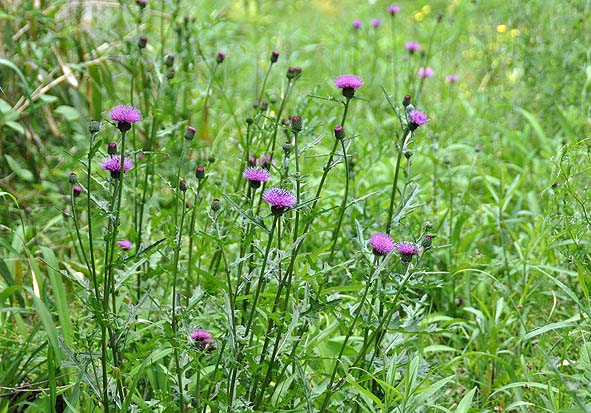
[[381, 243], [256, 175], [124, 244], [348, 82], [451, 78], [279, 199], [393, 10], [357, 24], [425, 72], [406, 251], [113, 165], [202, 340], [125, 115], [375, 23], [417, 118], [412, 47]]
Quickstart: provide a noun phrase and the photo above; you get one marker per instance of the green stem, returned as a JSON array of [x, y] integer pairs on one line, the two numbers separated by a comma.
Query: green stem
[[395, 181], [335, 234], [261, 276], [329, 390], [177, 250]]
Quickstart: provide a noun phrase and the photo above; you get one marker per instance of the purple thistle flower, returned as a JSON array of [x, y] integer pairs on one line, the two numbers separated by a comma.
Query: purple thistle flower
[[412, 47], [451, 78], [357, 24], [406, 251], [348, 83], [220, 57], [425, 72], [202, 340], [113, 165], [417, 118], [125, 115], [124, 244], [375, 23], [256, 175], [381, 243], [279, 199], [393, 10]]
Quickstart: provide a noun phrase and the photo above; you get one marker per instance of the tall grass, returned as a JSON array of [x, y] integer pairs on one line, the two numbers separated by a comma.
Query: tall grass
[[226, 301]]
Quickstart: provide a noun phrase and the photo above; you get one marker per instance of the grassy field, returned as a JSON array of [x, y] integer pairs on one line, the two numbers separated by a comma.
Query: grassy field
[[414, 237]]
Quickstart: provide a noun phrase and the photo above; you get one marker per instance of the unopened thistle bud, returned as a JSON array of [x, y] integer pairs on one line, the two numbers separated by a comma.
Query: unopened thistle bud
[[264, 106], [141, 3], [406, 101], [274, 56], [183, 185], [249, 121], [215, 205], [296, 123], [339, 132], [294, 73], [76, 190], [112, 148], [94, 126], [287, 147], [169, 60], [142, 42], [190, 133], [220, 57], [170, 73], [73, 178], [200, 172]]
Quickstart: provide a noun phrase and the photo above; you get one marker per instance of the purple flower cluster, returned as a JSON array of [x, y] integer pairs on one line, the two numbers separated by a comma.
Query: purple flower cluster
[[413, 47], [202, 340], [280, 200], [425, 72], [451, 78], [375, 23], [113, 165], [124, 244], [393, 10], [256, 175], [417, 118], [348, 82], [357, 24], [125, 115], [406, 251], [381, 243]]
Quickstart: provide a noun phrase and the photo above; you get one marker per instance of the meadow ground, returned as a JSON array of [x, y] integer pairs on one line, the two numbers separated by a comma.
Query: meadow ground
[[200, 213]]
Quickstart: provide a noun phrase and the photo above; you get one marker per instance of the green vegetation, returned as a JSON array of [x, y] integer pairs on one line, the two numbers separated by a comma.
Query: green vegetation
[[223, 299]]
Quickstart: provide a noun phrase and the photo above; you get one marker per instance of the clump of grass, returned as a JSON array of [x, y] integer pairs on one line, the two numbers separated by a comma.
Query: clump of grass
[[271, 235]]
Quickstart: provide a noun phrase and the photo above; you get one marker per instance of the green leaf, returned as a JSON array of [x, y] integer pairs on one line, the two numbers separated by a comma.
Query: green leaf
[[59, 293], [16, 127], [68, 113], [22, 173], [466, 402], [9, 64]]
